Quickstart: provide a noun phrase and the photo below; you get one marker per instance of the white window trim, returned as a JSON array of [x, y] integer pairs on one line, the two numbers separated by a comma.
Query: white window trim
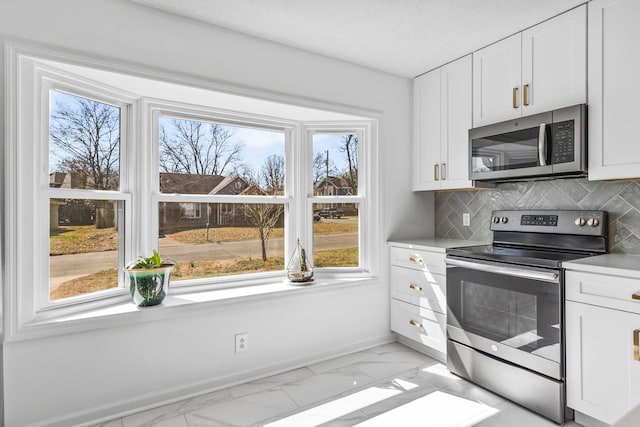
[[21, 322]]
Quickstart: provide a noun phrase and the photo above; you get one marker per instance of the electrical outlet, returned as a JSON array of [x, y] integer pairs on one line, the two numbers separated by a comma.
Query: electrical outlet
[[242, 342], [466, 219]]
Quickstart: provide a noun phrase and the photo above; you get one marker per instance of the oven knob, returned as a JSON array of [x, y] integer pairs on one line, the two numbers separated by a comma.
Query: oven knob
[[496, 219], [580, 221], [593, 222], [504, 220]]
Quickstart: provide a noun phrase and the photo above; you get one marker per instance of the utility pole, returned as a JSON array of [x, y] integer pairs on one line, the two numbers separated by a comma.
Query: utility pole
[[326, 180]]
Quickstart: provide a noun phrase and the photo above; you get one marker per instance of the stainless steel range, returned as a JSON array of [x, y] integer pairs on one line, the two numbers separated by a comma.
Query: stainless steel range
[[505, 304]]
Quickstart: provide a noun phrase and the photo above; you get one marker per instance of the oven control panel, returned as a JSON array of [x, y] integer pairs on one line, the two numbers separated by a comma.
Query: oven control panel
[[591, 223]]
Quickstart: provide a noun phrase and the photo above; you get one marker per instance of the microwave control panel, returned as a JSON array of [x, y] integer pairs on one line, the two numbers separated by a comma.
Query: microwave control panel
[[562, 135]]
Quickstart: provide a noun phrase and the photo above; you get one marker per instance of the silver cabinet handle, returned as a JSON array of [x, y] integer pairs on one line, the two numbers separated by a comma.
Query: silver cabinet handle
[[498, 269], [443, 171], [436, 172], [636, 345]]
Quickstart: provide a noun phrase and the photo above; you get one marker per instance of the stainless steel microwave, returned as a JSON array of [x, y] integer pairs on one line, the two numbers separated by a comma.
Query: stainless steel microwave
[[551, 144]]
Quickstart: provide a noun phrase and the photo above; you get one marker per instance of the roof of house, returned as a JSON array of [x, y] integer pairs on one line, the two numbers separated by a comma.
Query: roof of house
[[233, 184], [187, 183]]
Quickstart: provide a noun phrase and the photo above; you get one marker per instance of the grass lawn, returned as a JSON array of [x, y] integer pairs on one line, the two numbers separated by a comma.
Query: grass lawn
[[108, 279], [79, 239]]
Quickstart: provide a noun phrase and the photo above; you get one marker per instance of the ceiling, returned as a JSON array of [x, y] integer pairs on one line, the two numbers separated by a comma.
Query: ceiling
[[402, 37]]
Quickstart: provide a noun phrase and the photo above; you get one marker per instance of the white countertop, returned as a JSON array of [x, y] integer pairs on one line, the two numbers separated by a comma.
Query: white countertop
[[614, 264], [438, 245]]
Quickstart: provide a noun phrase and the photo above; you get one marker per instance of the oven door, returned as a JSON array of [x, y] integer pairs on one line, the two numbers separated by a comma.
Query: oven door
[[509, 312]]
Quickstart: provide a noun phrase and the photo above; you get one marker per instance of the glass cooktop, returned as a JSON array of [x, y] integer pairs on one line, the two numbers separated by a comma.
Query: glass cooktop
[[536, 257]]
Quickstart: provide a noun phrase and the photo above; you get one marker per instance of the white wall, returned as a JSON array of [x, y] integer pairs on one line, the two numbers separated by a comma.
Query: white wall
[[81, 377]]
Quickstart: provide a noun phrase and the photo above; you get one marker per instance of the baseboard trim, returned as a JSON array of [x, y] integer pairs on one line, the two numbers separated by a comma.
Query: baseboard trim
[[125, 407], [441, 357]]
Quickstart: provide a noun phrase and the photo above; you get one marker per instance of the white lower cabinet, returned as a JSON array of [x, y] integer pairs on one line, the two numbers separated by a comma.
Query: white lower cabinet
[[602, 334], [420, 324], [418, 297]]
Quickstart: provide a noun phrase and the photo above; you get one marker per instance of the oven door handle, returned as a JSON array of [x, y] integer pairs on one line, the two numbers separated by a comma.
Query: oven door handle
[[509, 271]]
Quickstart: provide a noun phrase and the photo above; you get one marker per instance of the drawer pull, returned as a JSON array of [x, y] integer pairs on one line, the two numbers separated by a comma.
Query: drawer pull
[[416, 260], [415, 287], [636, 296], [419, 325], [636, 345]]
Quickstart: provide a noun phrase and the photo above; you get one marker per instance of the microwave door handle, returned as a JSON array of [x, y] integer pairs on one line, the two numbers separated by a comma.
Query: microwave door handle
[[542, 145]]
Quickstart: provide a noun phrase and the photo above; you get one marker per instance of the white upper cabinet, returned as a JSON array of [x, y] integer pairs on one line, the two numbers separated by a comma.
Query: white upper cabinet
[[554, 62], [442, 119], [496, 82], [426, 139], [540, 69], [614, 66], [455, 88]]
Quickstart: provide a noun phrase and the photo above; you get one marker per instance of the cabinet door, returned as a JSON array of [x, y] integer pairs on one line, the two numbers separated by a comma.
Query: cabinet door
[[554, 63], [456, 112], [426, 139], [603, 378], [614, 67], [496, 74]]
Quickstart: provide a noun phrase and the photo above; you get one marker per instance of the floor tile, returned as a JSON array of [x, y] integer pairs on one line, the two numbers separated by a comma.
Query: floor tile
[[243, 411], [384, 386], [340, 362], [436, 409], [511, 414], [270, 382], [319, 387]]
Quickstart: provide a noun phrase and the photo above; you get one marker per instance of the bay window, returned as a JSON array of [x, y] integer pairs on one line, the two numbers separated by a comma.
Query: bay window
[[104, 167]]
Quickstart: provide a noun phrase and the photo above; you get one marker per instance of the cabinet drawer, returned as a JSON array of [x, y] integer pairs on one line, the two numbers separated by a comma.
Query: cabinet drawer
[[419, 259], [604, 290], [419, 287], [419, 324]]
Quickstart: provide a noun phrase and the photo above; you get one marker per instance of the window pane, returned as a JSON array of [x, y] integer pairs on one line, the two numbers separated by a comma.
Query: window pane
[[227, 238], [84, 143], [84, 242], [210, 158], [335, 235], [335, 164]]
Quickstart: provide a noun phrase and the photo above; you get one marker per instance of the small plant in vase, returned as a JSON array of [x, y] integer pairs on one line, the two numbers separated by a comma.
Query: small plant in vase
[[149, 279], [299, 269]]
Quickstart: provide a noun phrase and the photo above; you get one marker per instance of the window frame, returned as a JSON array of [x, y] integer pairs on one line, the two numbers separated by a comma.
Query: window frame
[[154, 109], [25, 67], [366, 218]]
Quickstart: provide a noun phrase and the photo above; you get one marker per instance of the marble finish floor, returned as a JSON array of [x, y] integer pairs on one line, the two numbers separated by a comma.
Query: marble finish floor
[[389, 385]]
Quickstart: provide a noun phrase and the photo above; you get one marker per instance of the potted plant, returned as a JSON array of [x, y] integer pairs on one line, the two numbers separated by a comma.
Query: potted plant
[[149, 279]]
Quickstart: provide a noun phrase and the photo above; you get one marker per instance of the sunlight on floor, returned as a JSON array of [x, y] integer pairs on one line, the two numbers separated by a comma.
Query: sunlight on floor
[[437, 409], [441, 370], [337, 408]]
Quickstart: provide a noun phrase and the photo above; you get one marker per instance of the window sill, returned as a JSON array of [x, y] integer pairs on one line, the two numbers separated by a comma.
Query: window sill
[[179, 305]]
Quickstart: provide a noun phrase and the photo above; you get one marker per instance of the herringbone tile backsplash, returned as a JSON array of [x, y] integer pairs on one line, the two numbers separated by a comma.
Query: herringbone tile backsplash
[[620, 199]]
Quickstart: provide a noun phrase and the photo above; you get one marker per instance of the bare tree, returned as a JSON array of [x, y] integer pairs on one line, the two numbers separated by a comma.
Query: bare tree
[[263, 216], [198, 148], [273, 174], [86, 134], [350, 149]]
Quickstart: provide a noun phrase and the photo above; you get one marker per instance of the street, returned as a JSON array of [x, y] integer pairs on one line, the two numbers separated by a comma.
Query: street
[[67, 267]]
